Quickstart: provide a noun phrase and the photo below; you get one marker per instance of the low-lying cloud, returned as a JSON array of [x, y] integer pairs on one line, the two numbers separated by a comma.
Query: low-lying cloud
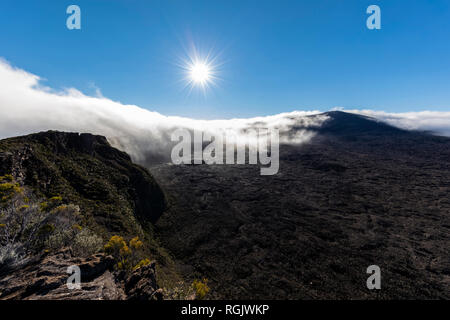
[[437, 122], [27, 106]]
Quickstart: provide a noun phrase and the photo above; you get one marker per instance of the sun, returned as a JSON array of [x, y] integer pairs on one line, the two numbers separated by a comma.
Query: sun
[[200, 73], [201, 70]]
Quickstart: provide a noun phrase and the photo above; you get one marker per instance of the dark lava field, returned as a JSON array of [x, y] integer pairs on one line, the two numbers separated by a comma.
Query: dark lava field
[[360, 193]]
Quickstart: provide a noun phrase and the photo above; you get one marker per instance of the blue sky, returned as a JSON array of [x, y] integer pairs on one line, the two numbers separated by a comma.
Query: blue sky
[[276, 56]]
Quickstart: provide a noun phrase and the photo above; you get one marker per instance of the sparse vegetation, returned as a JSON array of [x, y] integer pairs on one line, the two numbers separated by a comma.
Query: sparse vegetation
[[179, 291], [197, 290], [86, 243], [8, 189], [29, 226]]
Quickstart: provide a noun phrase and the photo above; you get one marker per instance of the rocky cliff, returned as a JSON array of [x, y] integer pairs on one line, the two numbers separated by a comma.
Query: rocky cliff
[[113, 196]]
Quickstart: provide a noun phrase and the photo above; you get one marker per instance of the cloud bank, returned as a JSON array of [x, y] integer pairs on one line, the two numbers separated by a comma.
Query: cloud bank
[[437, 122], [27, 106]]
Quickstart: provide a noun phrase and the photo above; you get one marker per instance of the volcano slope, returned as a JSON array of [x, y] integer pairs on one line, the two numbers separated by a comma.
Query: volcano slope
[[360, 193]]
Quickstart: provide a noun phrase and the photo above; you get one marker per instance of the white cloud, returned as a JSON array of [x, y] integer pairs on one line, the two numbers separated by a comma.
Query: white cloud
[[434, 121], [27, 107]]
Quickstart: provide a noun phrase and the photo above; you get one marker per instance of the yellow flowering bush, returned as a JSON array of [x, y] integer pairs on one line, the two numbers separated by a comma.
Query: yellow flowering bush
[[8, 189], [201, 288], [142, 263], [127, 256], [115, 246], [135, 243], [6, 178], [53, 204]]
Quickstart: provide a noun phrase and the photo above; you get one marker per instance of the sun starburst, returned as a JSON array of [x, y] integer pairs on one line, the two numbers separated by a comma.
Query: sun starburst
[[200, 71]]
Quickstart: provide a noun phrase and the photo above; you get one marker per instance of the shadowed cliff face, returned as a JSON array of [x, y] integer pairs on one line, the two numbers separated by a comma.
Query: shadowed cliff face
[[360, 193], [114, 194]]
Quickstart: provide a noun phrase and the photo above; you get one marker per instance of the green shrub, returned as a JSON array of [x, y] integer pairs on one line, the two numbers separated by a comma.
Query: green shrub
[[45, 230], [86, 243]]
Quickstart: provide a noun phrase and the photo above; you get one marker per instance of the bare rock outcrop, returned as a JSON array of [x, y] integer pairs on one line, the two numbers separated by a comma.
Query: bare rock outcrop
[[45, 278]]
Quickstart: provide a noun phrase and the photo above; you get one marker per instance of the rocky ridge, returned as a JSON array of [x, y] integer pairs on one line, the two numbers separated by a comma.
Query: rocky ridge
[[45, 278]]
